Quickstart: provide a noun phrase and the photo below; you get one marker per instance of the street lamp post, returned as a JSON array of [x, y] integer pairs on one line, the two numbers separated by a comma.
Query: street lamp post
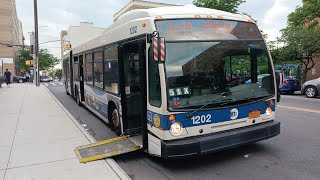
[[36, 43]]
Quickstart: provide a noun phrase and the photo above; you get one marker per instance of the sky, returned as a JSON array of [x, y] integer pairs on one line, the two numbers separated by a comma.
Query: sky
[[57, 15]]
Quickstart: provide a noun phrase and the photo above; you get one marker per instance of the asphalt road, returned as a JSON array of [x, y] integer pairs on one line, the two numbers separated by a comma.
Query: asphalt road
[[294, 154]]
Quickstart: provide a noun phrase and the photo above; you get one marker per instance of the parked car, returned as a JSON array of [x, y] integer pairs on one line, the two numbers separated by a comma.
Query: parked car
[[19, 79], [311, 88], [290, 85], [1, 80], [46, 79]]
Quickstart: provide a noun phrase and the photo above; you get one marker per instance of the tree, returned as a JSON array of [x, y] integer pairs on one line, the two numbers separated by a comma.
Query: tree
[[301, 37], [223, 5], [47, 60], [23, 56], [58, 73], [51, 74]]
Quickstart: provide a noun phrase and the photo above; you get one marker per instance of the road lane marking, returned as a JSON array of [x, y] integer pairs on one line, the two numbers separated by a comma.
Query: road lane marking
[[53, 84], [46, 84], [300, 97], [299, 109], [61, 84]]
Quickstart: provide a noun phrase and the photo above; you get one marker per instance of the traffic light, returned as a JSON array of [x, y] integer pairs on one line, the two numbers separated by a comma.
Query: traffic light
[[68, 46], [29, 62]]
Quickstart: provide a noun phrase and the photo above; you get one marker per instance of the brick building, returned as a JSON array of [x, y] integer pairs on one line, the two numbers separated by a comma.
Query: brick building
[[10, 34]]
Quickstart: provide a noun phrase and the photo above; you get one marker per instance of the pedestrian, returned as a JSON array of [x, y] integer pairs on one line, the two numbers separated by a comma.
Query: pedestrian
[[7, 77], [27, 76]]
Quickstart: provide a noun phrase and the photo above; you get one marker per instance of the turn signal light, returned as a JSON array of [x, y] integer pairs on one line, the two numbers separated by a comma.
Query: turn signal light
[[271, 102], [172, 117]]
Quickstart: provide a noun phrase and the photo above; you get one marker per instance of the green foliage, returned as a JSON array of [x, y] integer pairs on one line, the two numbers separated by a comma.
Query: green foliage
[[51, 74], [301, 37], [58, 73], [306, 15], [223, 5], [46, 60], [23, 56]]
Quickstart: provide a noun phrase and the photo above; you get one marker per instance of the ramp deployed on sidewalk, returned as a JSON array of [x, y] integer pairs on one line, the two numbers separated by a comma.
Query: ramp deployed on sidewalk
[[108, 148]]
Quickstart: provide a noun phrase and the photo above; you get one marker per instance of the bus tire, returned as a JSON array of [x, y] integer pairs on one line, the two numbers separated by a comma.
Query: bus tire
[[114, 117]]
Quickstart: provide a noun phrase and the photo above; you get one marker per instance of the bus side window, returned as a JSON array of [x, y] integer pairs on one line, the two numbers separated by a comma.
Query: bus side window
[[111, 70], [98, 70], [89, 69]]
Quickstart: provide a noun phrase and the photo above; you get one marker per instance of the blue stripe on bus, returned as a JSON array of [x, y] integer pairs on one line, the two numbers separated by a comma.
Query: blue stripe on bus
[[217, 116], [100, 106]]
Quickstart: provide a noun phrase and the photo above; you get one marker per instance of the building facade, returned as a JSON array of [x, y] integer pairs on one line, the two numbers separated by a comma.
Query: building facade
[[11, 35]]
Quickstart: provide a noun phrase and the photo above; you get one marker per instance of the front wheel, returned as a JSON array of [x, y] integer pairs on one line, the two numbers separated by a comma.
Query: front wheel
[[310, 91], [20, 81]]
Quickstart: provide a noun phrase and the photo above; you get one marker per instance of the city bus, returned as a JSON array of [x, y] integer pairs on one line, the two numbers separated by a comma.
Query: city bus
[[181, 81]]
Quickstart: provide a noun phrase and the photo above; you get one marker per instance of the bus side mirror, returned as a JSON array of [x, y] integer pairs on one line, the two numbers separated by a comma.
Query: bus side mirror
[[159, 49]]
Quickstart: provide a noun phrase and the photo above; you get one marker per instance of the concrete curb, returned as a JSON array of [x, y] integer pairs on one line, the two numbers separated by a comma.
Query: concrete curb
[[114, 166]]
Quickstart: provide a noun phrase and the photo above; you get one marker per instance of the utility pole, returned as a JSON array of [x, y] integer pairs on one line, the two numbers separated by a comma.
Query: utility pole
[[2, 67], [36, 43]]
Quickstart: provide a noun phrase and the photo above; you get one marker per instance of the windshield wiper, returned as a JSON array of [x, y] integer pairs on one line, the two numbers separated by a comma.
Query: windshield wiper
[[188, 115], [243, 100]]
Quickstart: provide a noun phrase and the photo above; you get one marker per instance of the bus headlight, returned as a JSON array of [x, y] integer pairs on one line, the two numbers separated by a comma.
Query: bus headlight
[[268, 111], [175, 129]]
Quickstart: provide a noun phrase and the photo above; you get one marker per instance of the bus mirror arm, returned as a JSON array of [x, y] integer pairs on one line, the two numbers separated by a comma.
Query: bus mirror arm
[[152, 35]]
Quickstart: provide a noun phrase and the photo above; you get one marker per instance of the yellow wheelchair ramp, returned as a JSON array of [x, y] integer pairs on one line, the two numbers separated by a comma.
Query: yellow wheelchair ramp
[[108, 148]]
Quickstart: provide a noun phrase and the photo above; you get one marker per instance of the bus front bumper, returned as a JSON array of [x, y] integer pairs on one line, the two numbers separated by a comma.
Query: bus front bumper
[[219, 141]]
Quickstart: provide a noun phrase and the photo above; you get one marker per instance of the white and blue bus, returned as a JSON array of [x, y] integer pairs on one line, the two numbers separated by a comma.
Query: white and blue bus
[[188, 80]]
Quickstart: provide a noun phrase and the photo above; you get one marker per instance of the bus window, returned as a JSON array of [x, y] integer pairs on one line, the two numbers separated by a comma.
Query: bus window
[[75, 68], [264, 74], [154, 82], [111, 70], [98, 69], [89, 74]]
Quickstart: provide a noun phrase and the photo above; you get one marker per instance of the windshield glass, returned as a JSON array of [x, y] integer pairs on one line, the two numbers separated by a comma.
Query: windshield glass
[[198, 72]]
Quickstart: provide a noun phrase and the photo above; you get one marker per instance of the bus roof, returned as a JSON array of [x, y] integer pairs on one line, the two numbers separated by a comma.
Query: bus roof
[[179, 11], [188, 11]]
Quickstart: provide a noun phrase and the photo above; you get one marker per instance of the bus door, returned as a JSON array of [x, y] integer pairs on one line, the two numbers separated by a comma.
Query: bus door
[[81, 77], [133, 91]]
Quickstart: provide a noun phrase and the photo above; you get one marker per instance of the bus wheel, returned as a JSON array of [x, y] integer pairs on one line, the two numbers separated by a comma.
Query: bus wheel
[[115, 121]]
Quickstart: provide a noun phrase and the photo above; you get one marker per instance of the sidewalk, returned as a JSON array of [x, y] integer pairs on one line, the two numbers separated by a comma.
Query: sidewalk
[[38, 136]]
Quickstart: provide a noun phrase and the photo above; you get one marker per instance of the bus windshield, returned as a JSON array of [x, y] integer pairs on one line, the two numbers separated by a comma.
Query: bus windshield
[[219, 72], [215, 63]]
